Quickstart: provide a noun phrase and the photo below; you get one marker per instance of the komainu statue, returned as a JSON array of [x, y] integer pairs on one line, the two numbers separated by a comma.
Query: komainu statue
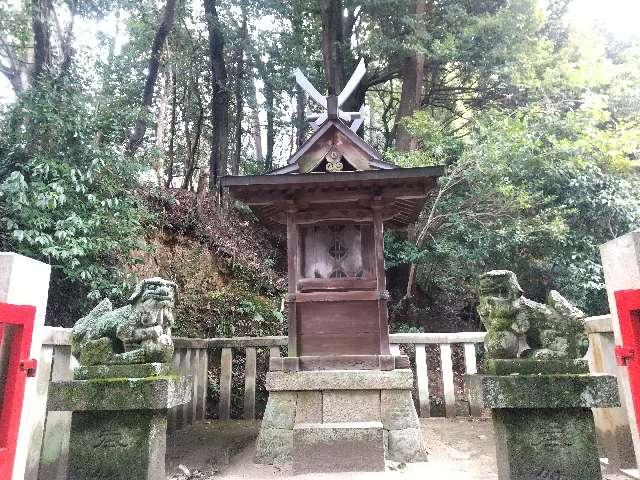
[[139, 332], [519, 327]]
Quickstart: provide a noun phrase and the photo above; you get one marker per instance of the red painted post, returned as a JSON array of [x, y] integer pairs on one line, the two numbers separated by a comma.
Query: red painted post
[[16, 329], [628, 354]]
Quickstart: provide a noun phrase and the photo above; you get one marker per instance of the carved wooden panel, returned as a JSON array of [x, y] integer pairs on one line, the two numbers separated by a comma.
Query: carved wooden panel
[[336, 251]]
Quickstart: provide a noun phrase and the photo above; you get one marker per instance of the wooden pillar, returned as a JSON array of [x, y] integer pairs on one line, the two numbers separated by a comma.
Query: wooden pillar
[[378, 241], [292, 270]]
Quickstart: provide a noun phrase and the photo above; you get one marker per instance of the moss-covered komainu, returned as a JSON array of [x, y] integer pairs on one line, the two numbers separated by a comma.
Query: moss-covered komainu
[[139, 332], [519, 327]]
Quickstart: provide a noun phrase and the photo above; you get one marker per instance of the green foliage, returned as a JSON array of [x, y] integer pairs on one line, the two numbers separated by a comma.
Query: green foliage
[[67, 198]]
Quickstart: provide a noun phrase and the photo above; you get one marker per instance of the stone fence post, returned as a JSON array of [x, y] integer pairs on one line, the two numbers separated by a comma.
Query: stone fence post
[[621, 266], [24, 281]]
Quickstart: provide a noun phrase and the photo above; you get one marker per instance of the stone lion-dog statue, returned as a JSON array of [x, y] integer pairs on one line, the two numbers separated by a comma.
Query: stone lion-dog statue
[[139, 332], [518, 327]]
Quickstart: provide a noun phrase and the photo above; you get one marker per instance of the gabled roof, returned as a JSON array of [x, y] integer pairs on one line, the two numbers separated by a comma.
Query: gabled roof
[[359, 154]]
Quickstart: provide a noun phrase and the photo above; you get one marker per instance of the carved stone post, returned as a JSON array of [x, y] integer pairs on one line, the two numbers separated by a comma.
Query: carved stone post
[[537, 385], [119, 421], [120, 394]]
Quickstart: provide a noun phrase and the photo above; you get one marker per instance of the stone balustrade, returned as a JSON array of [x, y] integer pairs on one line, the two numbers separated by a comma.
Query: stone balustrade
[[193, 357]]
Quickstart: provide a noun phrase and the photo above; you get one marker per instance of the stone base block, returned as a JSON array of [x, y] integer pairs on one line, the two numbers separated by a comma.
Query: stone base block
[[119, 425], [153, 393], [330, 398], [338, 447], [546, 443], [543, 423], [544, 391], [274, 446], [123, 445]]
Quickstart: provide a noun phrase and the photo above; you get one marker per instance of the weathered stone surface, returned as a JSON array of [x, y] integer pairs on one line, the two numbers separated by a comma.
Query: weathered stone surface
[[143, 327], [120, 393], [309, 407], [546, 443], [280, 411], [274, 446], [544, 391], [340, 380], [398, 410], [350, 406], [529, 366], [138, 370], [519, 327], [123, 445], [406, 445], [338, 447]]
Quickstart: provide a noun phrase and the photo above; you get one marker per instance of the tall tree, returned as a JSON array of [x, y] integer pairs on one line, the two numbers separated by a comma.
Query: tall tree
[[218, 157], [412, 77], [166, 24], [238, 94]]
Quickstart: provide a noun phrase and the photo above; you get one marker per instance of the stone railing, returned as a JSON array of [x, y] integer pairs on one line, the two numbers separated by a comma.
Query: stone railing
[[195, 356], [190, 353]]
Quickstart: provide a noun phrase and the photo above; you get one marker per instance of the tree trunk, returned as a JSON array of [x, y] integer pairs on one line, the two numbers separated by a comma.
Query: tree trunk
[[172, 135], [333, 46], [256, 130], [137, 134], [192, 150], [220, 97], [40, 22], [239, 98], [412, 76], [269, 98], [162, 112]]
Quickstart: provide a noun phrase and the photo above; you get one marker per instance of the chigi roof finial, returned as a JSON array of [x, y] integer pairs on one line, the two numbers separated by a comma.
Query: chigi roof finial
[[332, 103]]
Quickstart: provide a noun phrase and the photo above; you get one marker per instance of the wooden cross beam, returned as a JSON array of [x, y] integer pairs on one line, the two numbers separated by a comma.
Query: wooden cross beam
[[333, 103]]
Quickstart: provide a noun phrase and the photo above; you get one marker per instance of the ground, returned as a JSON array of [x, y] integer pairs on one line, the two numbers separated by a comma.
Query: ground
[[460, 449]]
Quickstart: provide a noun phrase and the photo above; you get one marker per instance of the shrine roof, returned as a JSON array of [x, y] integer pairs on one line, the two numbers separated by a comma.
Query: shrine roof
[[402, 191], [370, 177], [330, 129]]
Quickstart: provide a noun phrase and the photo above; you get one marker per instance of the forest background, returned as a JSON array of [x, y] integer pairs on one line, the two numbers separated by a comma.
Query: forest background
[[119, 117]]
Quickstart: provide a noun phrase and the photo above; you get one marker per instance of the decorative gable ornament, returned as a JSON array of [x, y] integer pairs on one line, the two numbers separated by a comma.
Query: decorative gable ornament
[[334, 146]]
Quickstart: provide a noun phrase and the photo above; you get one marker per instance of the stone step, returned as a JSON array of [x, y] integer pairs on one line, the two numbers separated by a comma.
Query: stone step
[[338, 447]]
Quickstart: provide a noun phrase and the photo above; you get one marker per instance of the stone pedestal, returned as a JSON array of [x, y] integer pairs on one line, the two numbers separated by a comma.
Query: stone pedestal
[[118, 426], [543, 423], [340, 420]]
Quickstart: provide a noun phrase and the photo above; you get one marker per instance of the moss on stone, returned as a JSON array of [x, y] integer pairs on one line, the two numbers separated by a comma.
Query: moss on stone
[[546, 443], [545, 391], [158, 392], [527, 366]]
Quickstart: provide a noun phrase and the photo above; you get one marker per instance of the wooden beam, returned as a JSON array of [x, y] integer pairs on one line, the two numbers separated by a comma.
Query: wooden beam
[[336, 297], [332, 193]]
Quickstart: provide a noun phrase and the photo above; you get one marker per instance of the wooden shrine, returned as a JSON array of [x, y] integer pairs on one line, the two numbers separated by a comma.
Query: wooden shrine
[[335, 197], [348, 400]]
